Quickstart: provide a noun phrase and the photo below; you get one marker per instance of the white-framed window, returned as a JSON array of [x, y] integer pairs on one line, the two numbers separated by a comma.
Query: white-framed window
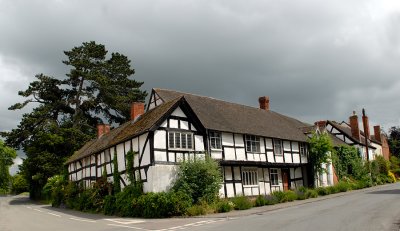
[[215, 140], [278, 150], [252, 143], [302, 148], [180, 140], [274, 177], [250, 177]]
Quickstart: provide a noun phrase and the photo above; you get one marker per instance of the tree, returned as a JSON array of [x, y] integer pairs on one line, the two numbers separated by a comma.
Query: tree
[[7, 155], [394, 141], [320, 152], [19, 184], [67, 110]]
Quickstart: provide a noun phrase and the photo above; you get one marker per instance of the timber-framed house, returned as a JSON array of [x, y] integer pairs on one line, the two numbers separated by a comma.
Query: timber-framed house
[[259, 151]]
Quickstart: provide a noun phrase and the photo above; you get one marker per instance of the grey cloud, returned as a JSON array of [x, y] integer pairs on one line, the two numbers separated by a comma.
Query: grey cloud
[[315, 59]]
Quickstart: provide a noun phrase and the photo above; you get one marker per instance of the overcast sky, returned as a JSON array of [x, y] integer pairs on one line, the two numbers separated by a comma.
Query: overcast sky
[[315, 59]]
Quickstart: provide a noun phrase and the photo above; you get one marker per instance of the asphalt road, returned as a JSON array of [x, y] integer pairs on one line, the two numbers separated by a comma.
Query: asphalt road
[[372, 209]]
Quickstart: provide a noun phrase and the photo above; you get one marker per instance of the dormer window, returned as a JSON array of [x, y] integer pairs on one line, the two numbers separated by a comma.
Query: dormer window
[[215, 140], [180, 140]]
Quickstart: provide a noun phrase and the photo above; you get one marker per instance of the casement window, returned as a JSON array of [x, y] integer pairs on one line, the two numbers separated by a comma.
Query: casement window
[[250, 177], [274, 177], [180, 140], [216, 140], [302, 147], [252, 143], [278, 147]]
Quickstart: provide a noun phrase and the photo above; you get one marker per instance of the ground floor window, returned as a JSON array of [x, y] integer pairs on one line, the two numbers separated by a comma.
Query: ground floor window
[[274, 177], [250, 177]]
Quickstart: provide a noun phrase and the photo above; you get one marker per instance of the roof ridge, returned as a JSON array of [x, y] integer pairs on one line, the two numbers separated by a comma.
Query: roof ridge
[[212, 98]]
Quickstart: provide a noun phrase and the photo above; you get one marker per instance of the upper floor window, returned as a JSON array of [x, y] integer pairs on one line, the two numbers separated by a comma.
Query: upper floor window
[[274, 177], [278, 147], [250, 177], [252, 143], [180, 140], [302, 149], [215, 140]]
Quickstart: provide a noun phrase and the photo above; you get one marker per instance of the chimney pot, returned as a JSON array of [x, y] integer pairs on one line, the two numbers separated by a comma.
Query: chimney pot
[[264, 102], [137, 109]]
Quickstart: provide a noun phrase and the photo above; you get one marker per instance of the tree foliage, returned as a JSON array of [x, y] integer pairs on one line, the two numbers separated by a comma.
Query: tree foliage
[[67, 110], [320, 151], [394, 141], [7, 155]]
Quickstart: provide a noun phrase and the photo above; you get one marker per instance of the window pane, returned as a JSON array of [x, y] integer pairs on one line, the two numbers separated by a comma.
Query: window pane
[[171, 139], [177, 140], [189, 141], [183, 139]]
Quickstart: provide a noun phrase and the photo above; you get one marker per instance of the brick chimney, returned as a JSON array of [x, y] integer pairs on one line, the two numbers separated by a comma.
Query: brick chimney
[[377, 133], [365, 124], [137, 109], [355, 130], [102, 129], [264, 102], [320, 124]]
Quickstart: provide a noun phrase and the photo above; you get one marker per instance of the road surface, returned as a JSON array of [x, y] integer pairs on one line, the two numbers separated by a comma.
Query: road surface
[[372, 209]]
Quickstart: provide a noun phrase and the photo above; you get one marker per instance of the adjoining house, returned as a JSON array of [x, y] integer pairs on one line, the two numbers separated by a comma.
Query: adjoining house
[[349, 133], [259, 150]]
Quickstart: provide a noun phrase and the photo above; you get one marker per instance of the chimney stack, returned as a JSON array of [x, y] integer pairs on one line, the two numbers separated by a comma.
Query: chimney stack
[[102, 129], [137, 109], [321, 123], [377, 133], [264, 102], [365, 124], [355, 130]]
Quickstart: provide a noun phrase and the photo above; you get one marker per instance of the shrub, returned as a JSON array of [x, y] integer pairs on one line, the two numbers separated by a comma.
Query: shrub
[[290, 195], [332, 189], [342, 186], [260, 201], [109, 205], [53, 190], [280, 196], [242, 203], [285, 196], [158, 205], [270, 200], [392, 177], [200, 179], [322, 191], [224, 206], [311, 193], [197, 210], [123, 200], [71, 193]]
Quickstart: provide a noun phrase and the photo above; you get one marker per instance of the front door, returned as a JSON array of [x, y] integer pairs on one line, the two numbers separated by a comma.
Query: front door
[[285, 179]]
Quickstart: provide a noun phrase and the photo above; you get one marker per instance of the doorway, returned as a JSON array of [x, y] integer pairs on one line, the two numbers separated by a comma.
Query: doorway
[[286, 179]]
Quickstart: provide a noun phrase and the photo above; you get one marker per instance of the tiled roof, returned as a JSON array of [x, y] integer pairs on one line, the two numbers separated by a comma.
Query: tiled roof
[[345, 128], [224, 116], [125, 131]]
